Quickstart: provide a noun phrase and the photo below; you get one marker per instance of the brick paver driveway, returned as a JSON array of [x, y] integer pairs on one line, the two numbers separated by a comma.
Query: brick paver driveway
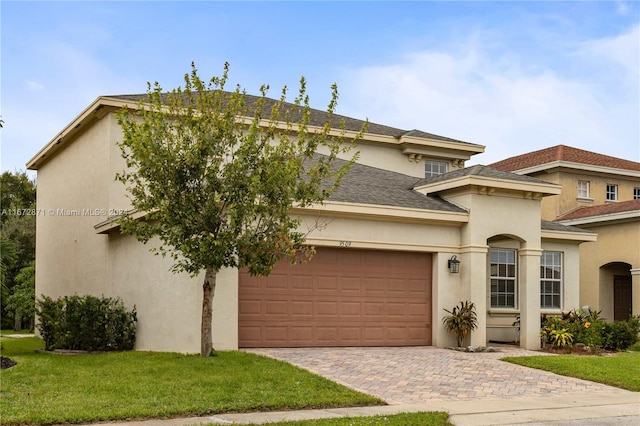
[[423, 374]]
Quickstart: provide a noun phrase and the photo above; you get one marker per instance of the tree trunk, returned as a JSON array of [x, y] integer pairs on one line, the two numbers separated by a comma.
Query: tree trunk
[[208, 291], [17, 321]]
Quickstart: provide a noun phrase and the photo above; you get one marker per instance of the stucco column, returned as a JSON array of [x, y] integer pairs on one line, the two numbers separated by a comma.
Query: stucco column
[[474, 267], [529, 288], [635, 291]]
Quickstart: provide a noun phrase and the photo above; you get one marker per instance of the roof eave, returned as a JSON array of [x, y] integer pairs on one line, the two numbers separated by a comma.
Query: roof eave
[[547, 234], [94, 111], [429, 147], [375, 211], [543, 189], [575, 166], [619, 217]]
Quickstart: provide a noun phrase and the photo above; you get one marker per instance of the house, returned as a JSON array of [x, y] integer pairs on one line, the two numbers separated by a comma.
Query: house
[[381, 274], [600, 194]]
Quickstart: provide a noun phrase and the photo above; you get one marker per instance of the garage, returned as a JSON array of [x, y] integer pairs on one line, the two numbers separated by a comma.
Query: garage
[[342, 297]]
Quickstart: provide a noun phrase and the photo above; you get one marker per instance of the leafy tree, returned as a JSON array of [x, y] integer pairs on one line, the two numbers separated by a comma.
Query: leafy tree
[[7, 259], [17, 191], [216, 173], [18, 229], [22, 301]]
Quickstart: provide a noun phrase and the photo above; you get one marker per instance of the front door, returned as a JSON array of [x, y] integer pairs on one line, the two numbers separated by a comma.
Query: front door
[[621, 297]]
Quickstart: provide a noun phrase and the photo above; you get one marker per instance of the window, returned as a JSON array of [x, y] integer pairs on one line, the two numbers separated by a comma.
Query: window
[[503, 278], [551, 280], [612, 192], [583, 189], [434, 168], [636, 193]]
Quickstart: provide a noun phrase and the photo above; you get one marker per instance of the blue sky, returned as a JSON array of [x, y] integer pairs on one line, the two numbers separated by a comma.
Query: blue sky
[[513, 76]]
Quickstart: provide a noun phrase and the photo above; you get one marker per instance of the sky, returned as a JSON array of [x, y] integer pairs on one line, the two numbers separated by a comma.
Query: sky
[[512, 76]]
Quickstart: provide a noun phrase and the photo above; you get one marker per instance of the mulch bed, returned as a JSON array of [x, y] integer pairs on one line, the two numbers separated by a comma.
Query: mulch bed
[[6, 363], [576, 350]]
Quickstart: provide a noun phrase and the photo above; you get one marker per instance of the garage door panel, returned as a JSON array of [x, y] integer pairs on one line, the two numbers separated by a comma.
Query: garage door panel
[[250, 307], [300, 283], [350, 309], [342, 297], [302, 308]]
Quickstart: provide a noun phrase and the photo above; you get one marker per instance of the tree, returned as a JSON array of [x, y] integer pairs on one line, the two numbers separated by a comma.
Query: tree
[[22, 301], [216, 173], [18, 229]]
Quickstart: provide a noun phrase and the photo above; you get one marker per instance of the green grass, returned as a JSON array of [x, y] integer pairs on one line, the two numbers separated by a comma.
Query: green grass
[[10, 332], [48, 388], [621, 370], [403, 419]]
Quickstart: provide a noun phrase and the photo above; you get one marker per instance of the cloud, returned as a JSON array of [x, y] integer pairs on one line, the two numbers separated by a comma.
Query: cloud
[[502, 102], [622, 8], [621, 51], [34, 86]]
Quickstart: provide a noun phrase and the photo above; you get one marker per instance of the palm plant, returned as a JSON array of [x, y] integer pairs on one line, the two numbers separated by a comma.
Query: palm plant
[[461, 320]]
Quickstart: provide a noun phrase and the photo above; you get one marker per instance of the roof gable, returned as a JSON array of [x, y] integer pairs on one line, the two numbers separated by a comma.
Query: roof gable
[[486, 177]]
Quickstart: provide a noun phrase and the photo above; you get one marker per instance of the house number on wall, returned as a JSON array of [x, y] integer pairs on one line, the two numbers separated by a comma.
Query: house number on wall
[[345, 243]]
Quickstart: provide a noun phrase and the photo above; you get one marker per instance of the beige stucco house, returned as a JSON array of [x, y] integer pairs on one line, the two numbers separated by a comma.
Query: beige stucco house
[[381, 273], [600, 193]]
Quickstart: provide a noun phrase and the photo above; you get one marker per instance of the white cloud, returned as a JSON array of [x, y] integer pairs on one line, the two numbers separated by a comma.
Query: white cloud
[[622, 8], [474, 97], [34, 86], [622, 52]]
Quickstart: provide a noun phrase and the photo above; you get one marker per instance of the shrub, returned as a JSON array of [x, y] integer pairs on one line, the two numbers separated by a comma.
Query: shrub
[[621, 335], [461, 320], [86, 323], [588, 328]]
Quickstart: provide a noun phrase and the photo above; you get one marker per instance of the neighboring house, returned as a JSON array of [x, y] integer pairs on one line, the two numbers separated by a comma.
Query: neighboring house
[[601, 194], [381, 272]]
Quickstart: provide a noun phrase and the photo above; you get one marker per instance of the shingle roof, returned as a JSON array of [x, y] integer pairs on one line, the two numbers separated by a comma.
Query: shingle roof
[[479, 170], [552, 226], [564, 153], [319, 117], [369, 185], [601, 210]]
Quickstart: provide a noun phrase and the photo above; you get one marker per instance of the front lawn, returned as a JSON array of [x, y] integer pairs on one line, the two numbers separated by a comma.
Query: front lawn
[[48, 388], [621, 370]]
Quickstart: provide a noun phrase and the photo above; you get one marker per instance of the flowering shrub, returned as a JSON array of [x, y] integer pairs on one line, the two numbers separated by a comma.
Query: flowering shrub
[[588, 328]]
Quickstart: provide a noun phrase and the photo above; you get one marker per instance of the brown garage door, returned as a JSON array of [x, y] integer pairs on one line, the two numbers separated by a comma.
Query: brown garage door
[[342, 297]]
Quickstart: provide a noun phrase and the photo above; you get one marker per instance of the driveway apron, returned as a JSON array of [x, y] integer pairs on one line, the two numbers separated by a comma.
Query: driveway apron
[[406, 375]]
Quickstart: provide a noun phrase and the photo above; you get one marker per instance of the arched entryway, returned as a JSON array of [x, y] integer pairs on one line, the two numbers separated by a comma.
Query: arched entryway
[[615, 283]]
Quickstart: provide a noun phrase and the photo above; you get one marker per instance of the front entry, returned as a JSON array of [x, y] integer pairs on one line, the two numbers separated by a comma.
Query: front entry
[[622, 297]]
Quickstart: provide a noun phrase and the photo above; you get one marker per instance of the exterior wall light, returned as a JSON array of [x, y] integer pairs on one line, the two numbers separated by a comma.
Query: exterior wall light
[[454, 265]]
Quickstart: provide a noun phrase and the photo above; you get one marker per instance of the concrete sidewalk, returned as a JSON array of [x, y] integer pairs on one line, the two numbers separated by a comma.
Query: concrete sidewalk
[[615, 408]]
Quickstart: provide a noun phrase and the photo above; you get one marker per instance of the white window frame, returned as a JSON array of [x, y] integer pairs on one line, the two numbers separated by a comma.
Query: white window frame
[[584, 189], [551, 280], [636, 193], [612, 192], [435, 168], [503, 273]]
